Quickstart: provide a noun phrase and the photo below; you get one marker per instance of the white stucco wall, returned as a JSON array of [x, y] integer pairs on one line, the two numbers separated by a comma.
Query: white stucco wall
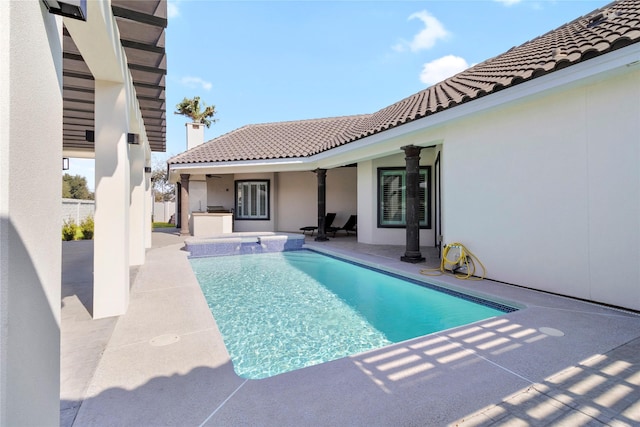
[[547, 192], [30, 245], [297, 197], [220, 191], [368, 230], [198, 197]]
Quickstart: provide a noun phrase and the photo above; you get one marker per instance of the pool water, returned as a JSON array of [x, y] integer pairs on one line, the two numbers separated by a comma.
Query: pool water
[[282, 311]]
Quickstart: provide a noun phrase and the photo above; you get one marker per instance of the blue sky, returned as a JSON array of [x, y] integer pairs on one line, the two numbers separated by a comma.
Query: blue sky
[[266, 61]]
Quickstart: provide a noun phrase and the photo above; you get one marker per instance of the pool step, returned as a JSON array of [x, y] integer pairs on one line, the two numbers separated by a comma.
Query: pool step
[[243, 243]]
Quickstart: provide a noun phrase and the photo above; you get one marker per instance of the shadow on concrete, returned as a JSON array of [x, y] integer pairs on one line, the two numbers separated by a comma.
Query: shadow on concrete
[[175, 400], [434, 380], [77, 272]]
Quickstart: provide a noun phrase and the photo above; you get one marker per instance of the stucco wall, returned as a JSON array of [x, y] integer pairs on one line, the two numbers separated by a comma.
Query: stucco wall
[[368, 230], [547, 192], [297, 197], [198, 198], [30, 212], [220, 191]]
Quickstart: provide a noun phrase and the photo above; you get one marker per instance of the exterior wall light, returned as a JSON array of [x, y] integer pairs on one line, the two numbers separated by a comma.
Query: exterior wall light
[[147, 169], [75, 9], [132, 138], [89, 136], [65, 163]]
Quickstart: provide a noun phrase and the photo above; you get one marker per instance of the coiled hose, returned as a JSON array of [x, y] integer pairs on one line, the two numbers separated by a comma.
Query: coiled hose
[[465, 259]]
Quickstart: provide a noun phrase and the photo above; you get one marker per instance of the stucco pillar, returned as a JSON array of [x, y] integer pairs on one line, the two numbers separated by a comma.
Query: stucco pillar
[[148, 210], [322, 202], [412, 158], [30, 214], [112, 217], [137, 206], [184, 204]]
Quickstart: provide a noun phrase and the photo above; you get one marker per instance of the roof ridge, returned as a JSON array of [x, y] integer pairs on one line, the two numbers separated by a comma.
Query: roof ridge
[[353, 116]]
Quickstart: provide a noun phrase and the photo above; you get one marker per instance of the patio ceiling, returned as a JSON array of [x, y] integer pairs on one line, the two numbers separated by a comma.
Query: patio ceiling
[[141, 24]]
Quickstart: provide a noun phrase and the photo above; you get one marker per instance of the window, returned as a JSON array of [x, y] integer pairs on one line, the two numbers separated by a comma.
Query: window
[[252, 200], [392, 209]]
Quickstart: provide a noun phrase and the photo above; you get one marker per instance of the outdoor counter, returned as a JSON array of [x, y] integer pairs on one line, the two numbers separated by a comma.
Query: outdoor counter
[[205, 224]]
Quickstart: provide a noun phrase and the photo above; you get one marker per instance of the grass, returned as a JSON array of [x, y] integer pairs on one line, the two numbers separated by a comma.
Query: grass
[[163, 225]]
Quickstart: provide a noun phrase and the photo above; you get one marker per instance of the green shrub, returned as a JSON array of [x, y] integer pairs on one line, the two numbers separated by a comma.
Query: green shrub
[[69, 229], [87, 228]]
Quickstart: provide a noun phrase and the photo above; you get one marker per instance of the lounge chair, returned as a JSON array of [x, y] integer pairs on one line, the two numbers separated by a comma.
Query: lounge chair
[[328, 220], [350, 226]]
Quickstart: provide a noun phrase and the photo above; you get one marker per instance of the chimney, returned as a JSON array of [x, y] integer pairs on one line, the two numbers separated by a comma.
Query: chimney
[[195, 134]]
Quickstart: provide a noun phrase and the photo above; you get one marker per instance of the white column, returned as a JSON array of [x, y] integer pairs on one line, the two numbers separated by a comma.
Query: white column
[[30, 213], [148, 211], [111, 239], [137, 206]]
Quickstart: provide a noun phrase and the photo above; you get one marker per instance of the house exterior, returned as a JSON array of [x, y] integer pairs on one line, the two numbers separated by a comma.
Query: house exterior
[[530, 159], [100, 81]]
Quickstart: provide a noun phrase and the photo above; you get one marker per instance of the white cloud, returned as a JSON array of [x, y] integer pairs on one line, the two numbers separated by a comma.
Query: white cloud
[[441, 68], [196, 82], [172, 9], [508, 2], [427, 37]]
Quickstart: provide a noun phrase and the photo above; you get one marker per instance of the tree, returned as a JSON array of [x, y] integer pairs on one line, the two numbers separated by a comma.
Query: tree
[[75, 187], [163, 190], [192, 109]]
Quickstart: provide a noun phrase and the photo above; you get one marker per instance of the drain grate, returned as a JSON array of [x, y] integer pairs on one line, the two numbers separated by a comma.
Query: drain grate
[[163, 340]]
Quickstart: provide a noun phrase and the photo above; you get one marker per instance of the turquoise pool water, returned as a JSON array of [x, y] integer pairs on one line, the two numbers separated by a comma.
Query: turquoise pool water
[[282, 311]]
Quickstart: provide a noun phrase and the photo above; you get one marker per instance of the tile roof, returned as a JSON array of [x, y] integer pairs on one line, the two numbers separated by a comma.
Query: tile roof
[[300, 138], [612, 27]]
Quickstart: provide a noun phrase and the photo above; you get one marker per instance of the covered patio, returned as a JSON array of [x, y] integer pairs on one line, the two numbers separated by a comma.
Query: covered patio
[[164, 362]]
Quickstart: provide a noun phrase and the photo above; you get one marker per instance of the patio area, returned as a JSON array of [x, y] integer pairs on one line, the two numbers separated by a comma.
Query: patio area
[[556, 361]]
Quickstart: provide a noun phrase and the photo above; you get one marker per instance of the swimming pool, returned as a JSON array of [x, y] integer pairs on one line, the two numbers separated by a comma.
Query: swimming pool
[[282, 311]]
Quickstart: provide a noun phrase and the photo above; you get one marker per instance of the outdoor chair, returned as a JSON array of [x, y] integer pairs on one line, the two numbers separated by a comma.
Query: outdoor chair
[[350, 226], [328, 220]]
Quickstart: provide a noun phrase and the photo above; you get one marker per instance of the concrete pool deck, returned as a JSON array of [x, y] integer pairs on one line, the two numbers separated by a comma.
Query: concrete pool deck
[[557, 361]]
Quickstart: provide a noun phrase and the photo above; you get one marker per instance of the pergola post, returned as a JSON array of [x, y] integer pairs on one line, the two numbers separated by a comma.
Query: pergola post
[[112, 218], [137, 206], [412, 158], [322, 201], [184, 204]]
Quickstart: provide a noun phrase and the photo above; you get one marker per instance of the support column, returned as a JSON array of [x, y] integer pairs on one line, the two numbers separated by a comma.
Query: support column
[[184, 204], [148, 210], [322, 202], [111, 242], [137, 206], [412, 158], [30, 214]]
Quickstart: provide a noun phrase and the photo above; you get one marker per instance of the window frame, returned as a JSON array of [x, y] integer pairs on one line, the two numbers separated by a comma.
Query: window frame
[[424, 225], [237, 211]]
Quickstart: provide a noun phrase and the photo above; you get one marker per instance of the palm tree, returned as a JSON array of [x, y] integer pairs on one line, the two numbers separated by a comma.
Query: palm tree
[[191, 108]]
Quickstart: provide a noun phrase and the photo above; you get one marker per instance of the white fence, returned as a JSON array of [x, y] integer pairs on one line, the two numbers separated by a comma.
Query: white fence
[[162, 211], [77, 210]]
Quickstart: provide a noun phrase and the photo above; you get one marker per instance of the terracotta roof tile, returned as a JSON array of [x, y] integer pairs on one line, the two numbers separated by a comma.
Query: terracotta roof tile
[[301, 138], [612, 27]]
